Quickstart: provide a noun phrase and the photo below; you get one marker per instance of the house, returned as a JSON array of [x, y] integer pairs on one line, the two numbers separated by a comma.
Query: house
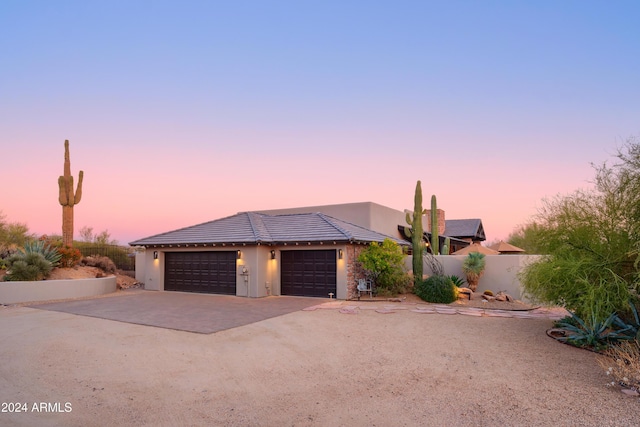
[[307, 251]]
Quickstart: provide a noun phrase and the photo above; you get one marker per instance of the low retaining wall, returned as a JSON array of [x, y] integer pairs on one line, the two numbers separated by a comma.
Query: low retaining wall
[[45, 290]]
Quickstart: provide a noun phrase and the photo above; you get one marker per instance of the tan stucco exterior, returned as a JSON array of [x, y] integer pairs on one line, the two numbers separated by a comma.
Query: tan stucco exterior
[[262, 276]]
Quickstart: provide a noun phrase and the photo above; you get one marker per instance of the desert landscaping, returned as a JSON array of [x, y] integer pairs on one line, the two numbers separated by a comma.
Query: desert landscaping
[[337, 363]]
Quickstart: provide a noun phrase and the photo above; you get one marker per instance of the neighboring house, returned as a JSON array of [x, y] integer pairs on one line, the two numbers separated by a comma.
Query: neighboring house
[[309, 251]]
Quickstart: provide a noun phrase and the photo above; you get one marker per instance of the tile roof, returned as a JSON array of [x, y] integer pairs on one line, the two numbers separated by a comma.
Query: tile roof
[[256, 228], [464, 228]]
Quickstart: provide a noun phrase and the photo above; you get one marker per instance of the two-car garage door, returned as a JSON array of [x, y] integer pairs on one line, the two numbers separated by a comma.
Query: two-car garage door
[[310, 273], [205, 272]]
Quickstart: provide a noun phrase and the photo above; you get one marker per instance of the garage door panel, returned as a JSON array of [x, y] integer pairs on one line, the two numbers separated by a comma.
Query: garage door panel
[[206, 272], [308, 272]]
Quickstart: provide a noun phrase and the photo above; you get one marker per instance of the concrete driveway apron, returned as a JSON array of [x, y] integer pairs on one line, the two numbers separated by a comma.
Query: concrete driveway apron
[[201, 313]]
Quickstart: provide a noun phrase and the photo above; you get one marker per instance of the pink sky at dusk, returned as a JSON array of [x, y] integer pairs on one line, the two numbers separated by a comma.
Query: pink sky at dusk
[[194, 111]]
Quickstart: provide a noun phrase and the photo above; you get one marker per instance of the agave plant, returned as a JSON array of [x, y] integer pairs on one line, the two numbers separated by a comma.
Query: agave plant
[[473, 266], [596, 333], [458, 281], [49, 253]]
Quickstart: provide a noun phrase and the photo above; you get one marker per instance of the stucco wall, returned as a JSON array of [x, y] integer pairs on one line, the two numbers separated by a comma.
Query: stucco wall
[[501, 271], [45, 290]]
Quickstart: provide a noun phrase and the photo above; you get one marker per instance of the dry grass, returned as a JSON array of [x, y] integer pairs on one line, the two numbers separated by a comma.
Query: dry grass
[[622, 362]]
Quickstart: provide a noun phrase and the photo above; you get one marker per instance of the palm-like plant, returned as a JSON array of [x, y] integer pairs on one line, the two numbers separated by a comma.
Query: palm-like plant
[[473, 266]]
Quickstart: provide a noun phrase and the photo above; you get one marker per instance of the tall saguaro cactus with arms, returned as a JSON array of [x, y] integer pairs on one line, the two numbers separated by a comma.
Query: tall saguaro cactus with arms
[[68, 198], [415, 232]]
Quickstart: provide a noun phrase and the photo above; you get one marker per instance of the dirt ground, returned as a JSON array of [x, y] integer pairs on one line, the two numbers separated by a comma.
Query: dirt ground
[[307, 368]]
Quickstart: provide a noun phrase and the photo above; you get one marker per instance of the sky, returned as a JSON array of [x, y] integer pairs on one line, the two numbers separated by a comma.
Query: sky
[[182, 112]]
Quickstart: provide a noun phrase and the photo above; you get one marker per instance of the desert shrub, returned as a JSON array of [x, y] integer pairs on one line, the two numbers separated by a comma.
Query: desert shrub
[[393, 283], [583, 285], [592, 242], [27, 266], [384, 263], [70, 256], [102, 262], [437, 289], [622, 362]]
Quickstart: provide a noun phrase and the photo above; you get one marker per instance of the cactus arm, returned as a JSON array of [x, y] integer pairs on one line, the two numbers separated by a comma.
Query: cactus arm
[[78, 195], [447, 246]]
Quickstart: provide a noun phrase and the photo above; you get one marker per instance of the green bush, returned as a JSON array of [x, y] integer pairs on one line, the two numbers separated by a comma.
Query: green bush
[[437, 289], [27, 266], [591, 242], [384, 263], [393, 283]]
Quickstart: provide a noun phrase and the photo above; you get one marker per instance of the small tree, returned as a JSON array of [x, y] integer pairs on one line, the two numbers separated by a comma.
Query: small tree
[[384, 263], [12, 234], [473, 266]]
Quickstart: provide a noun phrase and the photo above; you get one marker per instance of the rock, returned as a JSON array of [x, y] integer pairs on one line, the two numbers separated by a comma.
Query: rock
[[630, 392], [503, 296], [488, 297]]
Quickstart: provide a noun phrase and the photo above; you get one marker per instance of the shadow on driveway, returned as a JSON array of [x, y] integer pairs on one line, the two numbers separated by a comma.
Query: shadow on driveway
[[201, 313]]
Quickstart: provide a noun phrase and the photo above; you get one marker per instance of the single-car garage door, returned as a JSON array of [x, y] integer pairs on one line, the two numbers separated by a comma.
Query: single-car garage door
[[309, 273], [206, 272]]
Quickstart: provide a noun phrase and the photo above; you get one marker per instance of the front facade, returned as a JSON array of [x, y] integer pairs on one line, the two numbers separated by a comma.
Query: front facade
[[255, 254], [301, 251]]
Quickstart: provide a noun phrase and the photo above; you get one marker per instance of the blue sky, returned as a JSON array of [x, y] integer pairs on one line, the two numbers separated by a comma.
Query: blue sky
[[183, 112]]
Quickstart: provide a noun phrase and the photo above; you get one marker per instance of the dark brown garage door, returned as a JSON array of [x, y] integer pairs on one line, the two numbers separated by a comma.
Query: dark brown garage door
[[206, 272], [308, 273]]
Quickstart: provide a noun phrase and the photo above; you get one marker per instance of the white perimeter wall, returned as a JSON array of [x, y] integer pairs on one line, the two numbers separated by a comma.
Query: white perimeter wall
[[500, 274]]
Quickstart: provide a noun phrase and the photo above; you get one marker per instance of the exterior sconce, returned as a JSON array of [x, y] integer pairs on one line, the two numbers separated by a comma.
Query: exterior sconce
[[273, 254], [340, 254], [155, 254], [239, 254]]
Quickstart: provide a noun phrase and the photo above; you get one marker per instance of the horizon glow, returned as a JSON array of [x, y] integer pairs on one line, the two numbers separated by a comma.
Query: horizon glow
[[185, 112]]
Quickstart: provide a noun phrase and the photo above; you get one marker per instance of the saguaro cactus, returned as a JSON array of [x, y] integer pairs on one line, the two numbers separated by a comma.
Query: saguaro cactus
[[447, 246], [67, 198], [435, 238], [415, 232]]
